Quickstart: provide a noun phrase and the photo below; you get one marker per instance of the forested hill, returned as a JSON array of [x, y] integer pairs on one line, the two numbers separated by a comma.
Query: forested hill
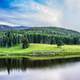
[[54, 31], [48, 35], [42, 30]]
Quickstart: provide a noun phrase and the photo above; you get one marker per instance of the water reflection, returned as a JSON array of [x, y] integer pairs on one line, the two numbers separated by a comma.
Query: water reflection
[[23, 64], [24, 69]]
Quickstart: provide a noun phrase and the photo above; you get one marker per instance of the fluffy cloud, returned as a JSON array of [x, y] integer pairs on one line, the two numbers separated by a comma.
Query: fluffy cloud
[[32, 14], [71, 12]]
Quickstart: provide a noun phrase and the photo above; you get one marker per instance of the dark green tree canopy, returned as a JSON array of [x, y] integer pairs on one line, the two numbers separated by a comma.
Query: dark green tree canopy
[[24, 41]]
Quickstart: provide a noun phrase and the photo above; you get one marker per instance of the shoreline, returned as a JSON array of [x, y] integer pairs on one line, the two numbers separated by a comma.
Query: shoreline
[[31, 58]]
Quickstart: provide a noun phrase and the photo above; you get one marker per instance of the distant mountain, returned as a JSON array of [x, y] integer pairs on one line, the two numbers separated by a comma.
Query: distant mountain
[[6, 27]]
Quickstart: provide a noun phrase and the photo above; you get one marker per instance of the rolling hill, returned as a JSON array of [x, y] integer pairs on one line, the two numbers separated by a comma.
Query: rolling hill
[[42, 30], [53, 31]]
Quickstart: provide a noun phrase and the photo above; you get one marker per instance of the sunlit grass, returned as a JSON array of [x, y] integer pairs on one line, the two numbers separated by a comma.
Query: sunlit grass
[[71, 48], [32, 47], [66, 49]]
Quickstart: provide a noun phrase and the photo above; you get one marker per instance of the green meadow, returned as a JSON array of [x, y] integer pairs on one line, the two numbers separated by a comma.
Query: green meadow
[[33, 47], [40, 50]]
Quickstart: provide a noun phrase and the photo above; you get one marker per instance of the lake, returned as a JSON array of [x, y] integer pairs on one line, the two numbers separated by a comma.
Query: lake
[[22, 69]]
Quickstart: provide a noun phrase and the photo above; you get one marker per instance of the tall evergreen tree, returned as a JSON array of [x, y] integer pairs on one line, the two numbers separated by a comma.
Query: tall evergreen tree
[[8, 39], [59, 43], [24, 41]]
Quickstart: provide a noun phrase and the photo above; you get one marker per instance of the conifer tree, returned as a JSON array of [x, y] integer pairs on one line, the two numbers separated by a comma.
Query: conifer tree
[[24, 41]]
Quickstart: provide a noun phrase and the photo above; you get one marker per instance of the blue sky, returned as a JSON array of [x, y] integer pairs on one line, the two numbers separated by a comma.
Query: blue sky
[[61, 13]]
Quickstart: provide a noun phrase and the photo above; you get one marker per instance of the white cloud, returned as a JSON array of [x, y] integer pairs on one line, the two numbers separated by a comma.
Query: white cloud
[[52, 14], [34, 14], [6, 23], [47, 15], [72, 14]]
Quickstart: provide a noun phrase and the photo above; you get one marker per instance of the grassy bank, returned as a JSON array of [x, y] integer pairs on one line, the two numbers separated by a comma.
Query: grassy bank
[[42, 51]]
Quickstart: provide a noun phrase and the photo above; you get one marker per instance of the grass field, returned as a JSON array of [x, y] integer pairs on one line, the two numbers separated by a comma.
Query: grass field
[[40, 47], [32, 47], [66, 50]]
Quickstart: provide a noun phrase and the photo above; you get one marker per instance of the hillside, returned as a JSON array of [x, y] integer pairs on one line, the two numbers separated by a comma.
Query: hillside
[[53, 31]]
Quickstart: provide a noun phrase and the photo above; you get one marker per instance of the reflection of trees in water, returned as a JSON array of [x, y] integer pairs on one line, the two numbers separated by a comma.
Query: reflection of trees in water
[[23, 64]]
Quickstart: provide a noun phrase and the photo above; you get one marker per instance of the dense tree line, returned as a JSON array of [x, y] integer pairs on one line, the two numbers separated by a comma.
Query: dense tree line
[[49, 39], [11, 38]]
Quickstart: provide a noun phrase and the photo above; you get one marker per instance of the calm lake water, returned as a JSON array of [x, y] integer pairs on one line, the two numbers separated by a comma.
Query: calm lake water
[[11, 69]]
